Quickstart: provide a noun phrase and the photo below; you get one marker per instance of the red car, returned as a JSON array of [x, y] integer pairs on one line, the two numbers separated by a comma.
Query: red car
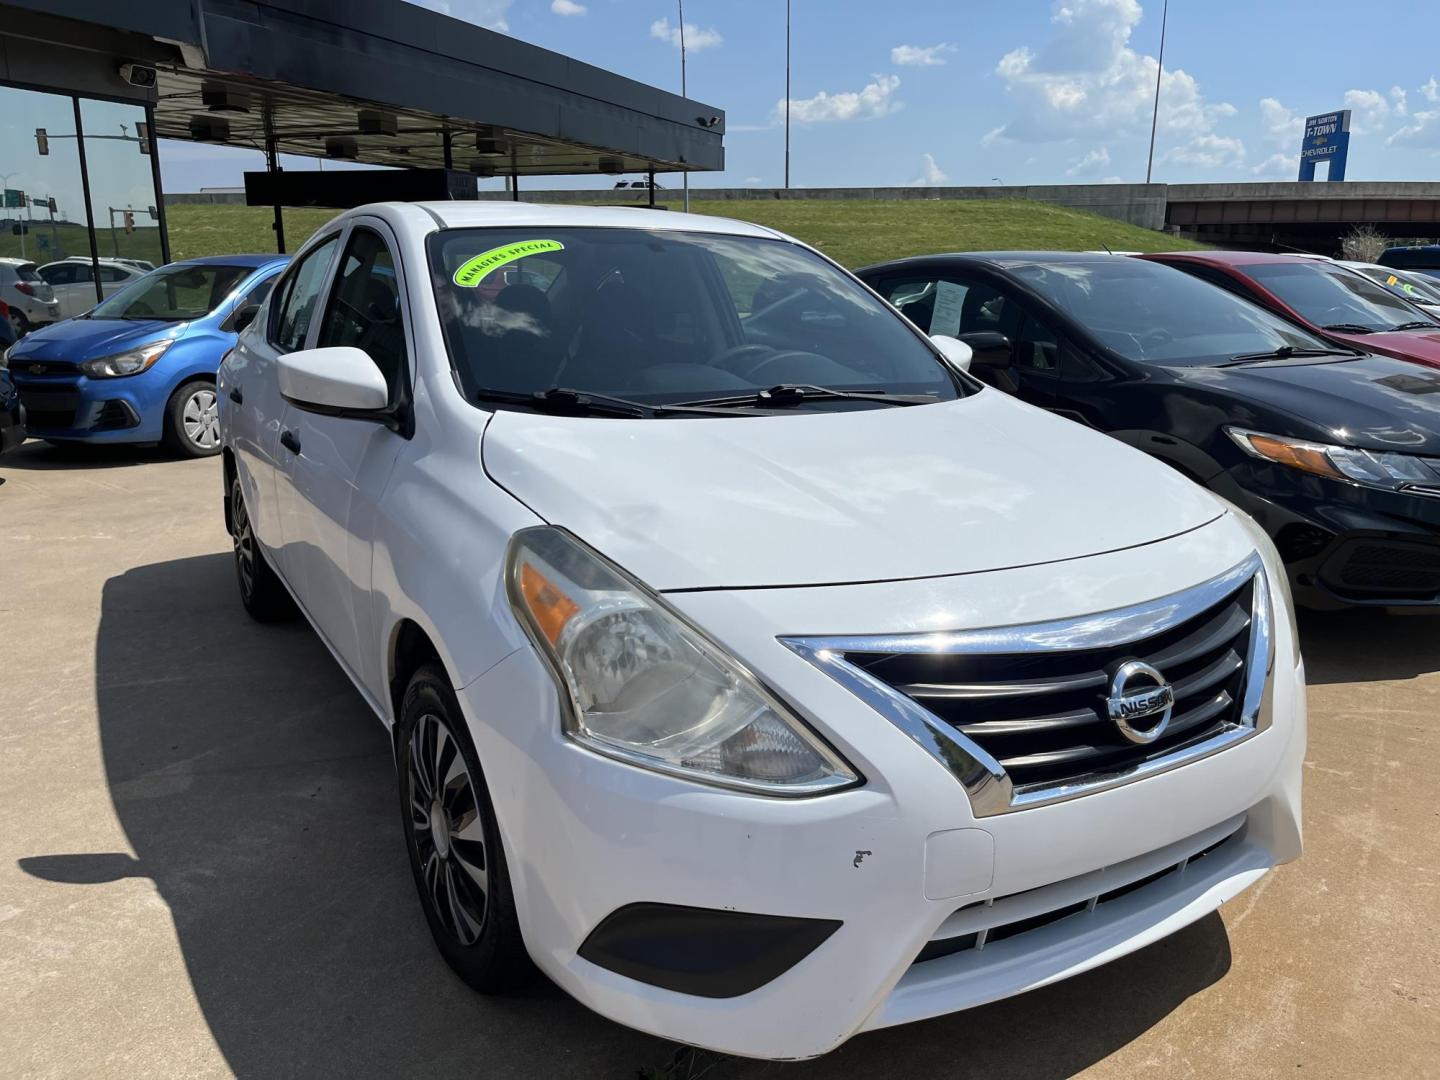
[[1327, 299]]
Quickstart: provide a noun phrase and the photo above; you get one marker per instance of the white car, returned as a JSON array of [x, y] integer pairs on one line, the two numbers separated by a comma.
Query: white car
[[1419, 289], [73, 281], [756, 671]]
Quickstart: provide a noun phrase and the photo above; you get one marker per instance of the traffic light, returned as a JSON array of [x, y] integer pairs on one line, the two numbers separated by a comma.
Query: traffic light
[[19, 228], [51, 205], [129, 221], [42, 142], [142, 132]]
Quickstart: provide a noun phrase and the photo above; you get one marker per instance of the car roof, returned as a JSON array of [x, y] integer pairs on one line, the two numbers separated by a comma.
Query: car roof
[[999, 259], [10, 260], [493, 214], [1236, 258], [232, 260]]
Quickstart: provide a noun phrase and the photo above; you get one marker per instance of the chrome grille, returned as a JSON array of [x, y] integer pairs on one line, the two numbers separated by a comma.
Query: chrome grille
[[1019, 714], [1042, 716]]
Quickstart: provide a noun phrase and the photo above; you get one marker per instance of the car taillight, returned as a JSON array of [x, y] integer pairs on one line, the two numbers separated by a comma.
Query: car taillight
[[25, 287]]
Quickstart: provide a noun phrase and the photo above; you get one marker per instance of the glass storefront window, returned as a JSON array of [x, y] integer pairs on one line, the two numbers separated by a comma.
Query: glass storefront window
[[34, 182], [122, 183]]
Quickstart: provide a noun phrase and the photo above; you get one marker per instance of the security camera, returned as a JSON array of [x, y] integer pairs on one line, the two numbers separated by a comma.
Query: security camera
[[707, 121], [138, 74]]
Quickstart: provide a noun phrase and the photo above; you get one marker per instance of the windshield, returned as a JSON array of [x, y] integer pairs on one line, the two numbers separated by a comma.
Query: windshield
[[1333, 297], [1412, 287], [1153, 313], [27, 272], [664, 317], [173, 293]]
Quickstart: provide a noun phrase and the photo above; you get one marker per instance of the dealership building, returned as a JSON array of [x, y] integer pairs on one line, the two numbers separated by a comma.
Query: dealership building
[[88, 88]]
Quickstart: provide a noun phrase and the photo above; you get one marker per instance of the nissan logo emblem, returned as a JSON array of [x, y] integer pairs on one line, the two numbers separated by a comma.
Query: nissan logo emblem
[[1138, 692]]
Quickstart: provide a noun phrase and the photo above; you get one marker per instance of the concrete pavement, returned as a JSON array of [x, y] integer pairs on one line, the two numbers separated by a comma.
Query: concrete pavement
[[201, 873]]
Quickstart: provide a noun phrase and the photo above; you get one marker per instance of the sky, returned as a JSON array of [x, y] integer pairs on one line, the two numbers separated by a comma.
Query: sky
[[934, 92]]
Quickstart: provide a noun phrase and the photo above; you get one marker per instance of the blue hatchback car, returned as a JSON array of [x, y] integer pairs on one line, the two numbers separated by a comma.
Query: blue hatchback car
[[140, 366]]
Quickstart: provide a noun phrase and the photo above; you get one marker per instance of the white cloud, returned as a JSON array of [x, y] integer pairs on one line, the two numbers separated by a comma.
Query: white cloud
[[750, 180], [1282, 127], [696, 38], [1208, 152], [920, 55], [1278, 166], [567, 7], [1431, 90], [1093, 162], [487, 13], [1369, 111], [876, 99], [931, 175], [1400, 100], [1086, 77]]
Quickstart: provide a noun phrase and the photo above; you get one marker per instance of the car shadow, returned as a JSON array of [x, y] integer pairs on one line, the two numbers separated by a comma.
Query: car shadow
[[37, 456], [256, 790], [1368, 646]]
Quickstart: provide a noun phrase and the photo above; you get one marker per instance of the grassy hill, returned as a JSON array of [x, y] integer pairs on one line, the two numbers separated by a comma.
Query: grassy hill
[[852, 233]]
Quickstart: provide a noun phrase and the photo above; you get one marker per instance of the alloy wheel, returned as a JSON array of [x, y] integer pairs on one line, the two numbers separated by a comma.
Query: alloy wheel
[[448, 830], [201, 418], [244, 542]]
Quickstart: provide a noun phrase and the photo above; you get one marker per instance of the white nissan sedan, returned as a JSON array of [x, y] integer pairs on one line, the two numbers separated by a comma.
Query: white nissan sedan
[[752, 669]]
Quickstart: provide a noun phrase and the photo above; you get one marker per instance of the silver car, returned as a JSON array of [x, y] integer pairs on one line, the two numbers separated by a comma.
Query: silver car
[[32, 301]]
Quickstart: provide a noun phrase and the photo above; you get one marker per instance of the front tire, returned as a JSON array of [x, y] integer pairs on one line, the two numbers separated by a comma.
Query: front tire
[[453, 840], [261, 590], [192, 420], [19, 323]]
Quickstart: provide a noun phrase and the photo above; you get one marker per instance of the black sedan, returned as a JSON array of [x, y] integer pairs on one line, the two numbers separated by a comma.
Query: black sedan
[[1335, 452]]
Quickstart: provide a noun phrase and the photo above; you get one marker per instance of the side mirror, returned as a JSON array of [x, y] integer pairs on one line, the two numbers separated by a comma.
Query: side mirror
[[338, 381], [991, 349], [957, 354], [243, 317]]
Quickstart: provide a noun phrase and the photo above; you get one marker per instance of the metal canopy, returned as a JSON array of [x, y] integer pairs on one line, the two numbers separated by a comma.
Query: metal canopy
[[390, 83]]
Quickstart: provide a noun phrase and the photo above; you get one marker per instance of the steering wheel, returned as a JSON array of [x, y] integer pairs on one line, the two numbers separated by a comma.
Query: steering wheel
[[739, 359], [778, 306], [757, 373]]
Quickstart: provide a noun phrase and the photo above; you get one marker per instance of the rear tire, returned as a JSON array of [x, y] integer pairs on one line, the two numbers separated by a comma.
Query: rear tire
[[192, 420], [453, 840], [19, 323], [261, 591]]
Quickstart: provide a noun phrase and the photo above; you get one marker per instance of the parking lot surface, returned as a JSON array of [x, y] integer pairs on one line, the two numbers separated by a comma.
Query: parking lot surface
[[201, 870]]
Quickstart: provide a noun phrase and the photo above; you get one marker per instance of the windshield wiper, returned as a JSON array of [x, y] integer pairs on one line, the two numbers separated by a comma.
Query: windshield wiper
[[566, 401], [790, 394], [1418, 324], [1285, 352], [1349, 328]]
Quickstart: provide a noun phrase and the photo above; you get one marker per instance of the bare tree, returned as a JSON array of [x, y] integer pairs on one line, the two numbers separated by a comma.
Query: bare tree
[[1364, 243]]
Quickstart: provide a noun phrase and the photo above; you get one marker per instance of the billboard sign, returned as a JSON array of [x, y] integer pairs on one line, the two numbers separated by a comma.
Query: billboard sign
[[1327, 138]]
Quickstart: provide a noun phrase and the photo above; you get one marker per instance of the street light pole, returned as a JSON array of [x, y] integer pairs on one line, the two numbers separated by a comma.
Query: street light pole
[[787, 93], [1159, 70], [684, 92]]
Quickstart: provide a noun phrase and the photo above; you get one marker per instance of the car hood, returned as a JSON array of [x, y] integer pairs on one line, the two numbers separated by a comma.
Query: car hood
[[1420, 345], [978, 484], [1375, 402], [88, 338]]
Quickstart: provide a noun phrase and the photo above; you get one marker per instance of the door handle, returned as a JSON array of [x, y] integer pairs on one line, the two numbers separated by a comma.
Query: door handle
[[236, 396], [290, 441]]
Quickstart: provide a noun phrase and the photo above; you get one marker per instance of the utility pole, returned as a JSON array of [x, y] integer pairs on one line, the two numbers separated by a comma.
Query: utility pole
[[787, 93], [1159, 70], [684, 92]]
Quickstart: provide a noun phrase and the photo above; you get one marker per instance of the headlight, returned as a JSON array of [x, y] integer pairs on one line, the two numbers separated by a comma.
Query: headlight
[[646, 687], [126, 363], [1373, 467]]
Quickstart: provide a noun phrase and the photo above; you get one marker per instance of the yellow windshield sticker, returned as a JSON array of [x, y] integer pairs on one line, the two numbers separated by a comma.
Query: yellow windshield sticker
[[473, 271], [1392, 280]]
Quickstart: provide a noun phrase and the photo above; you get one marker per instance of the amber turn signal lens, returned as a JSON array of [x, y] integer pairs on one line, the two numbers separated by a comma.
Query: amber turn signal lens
[[1307, 458], [551, 608]]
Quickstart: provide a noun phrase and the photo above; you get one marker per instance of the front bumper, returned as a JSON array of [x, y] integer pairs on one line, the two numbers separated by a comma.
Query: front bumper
[[1344, 545], [74, 408], [897, 861]]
